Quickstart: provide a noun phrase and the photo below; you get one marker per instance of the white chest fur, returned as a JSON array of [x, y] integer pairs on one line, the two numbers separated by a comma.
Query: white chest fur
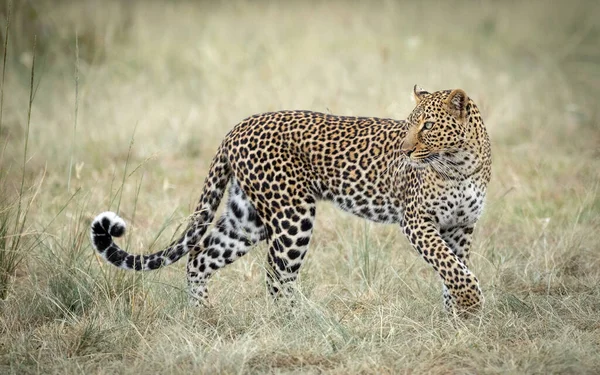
[[460, 204]]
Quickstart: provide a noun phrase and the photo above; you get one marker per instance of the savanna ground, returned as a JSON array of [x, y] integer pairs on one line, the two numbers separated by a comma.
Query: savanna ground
[[128, 117]]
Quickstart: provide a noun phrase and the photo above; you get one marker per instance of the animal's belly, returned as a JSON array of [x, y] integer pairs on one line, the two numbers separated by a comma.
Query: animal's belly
[[379, 215], [378, 209]]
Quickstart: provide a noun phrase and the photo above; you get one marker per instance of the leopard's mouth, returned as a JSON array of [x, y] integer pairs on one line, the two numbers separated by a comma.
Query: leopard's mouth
[[425, 159], [421, 159]]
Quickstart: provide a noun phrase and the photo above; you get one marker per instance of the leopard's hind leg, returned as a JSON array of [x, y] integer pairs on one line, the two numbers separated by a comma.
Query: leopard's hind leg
[[291, 228], [234, 234]]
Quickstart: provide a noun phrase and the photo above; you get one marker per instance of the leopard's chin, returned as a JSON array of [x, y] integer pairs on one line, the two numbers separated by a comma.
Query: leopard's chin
[[418, 163]]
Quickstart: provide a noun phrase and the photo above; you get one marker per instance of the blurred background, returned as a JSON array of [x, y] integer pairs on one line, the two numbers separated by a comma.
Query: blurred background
[[130, 99], [186, 72]]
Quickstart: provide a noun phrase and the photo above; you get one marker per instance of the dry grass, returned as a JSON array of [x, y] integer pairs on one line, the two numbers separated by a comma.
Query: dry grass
[[174, 77]]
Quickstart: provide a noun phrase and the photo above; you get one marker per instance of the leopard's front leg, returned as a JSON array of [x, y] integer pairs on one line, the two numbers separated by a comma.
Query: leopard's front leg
[[459, 240], [463, 287]]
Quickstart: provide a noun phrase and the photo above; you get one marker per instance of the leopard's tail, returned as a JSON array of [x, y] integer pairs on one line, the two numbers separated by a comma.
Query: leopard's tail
[[108, 225]]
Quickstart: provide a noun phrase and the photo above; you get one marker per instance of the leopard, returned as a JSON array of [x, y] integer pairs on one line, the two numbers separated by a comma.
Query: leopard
[[428, 174]]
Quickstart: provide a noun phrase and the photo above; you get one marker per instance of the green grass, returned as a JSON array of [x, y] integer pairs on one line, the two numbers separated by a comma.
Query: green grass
[[128, 104]]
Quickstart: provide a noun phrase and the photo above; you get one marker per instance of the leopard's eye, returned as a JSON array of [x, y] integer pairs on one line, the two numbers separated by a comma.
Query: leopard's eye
[[428, 125]]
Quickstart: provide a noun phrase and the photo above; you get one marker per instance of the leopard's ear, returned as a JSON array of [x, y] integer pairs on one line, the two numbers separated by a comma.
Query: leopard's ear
[[419, 93], [457, 103]]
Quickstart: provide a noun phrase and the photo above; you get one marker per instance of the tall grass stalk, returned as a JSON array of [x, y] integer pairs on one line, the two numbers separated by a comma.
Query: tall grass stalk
[[4, 63], [76, 111], [11, 237], [126, 165], [28, 124], [3, 79]]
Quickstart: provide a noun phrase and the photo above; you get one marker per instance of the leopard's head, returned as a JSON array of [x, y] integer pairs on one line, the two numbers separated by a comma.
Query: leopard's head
[[437, 126]]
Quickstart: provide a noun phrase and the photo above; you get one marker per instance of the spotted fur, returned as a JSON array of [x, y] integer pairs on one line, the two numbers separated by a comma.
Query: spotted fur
[[428, 174]]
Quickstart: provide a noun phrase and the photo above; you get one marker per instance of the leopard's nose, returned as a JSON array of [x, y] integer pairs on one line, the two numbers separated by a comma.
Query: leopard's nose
[[405, 150]]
